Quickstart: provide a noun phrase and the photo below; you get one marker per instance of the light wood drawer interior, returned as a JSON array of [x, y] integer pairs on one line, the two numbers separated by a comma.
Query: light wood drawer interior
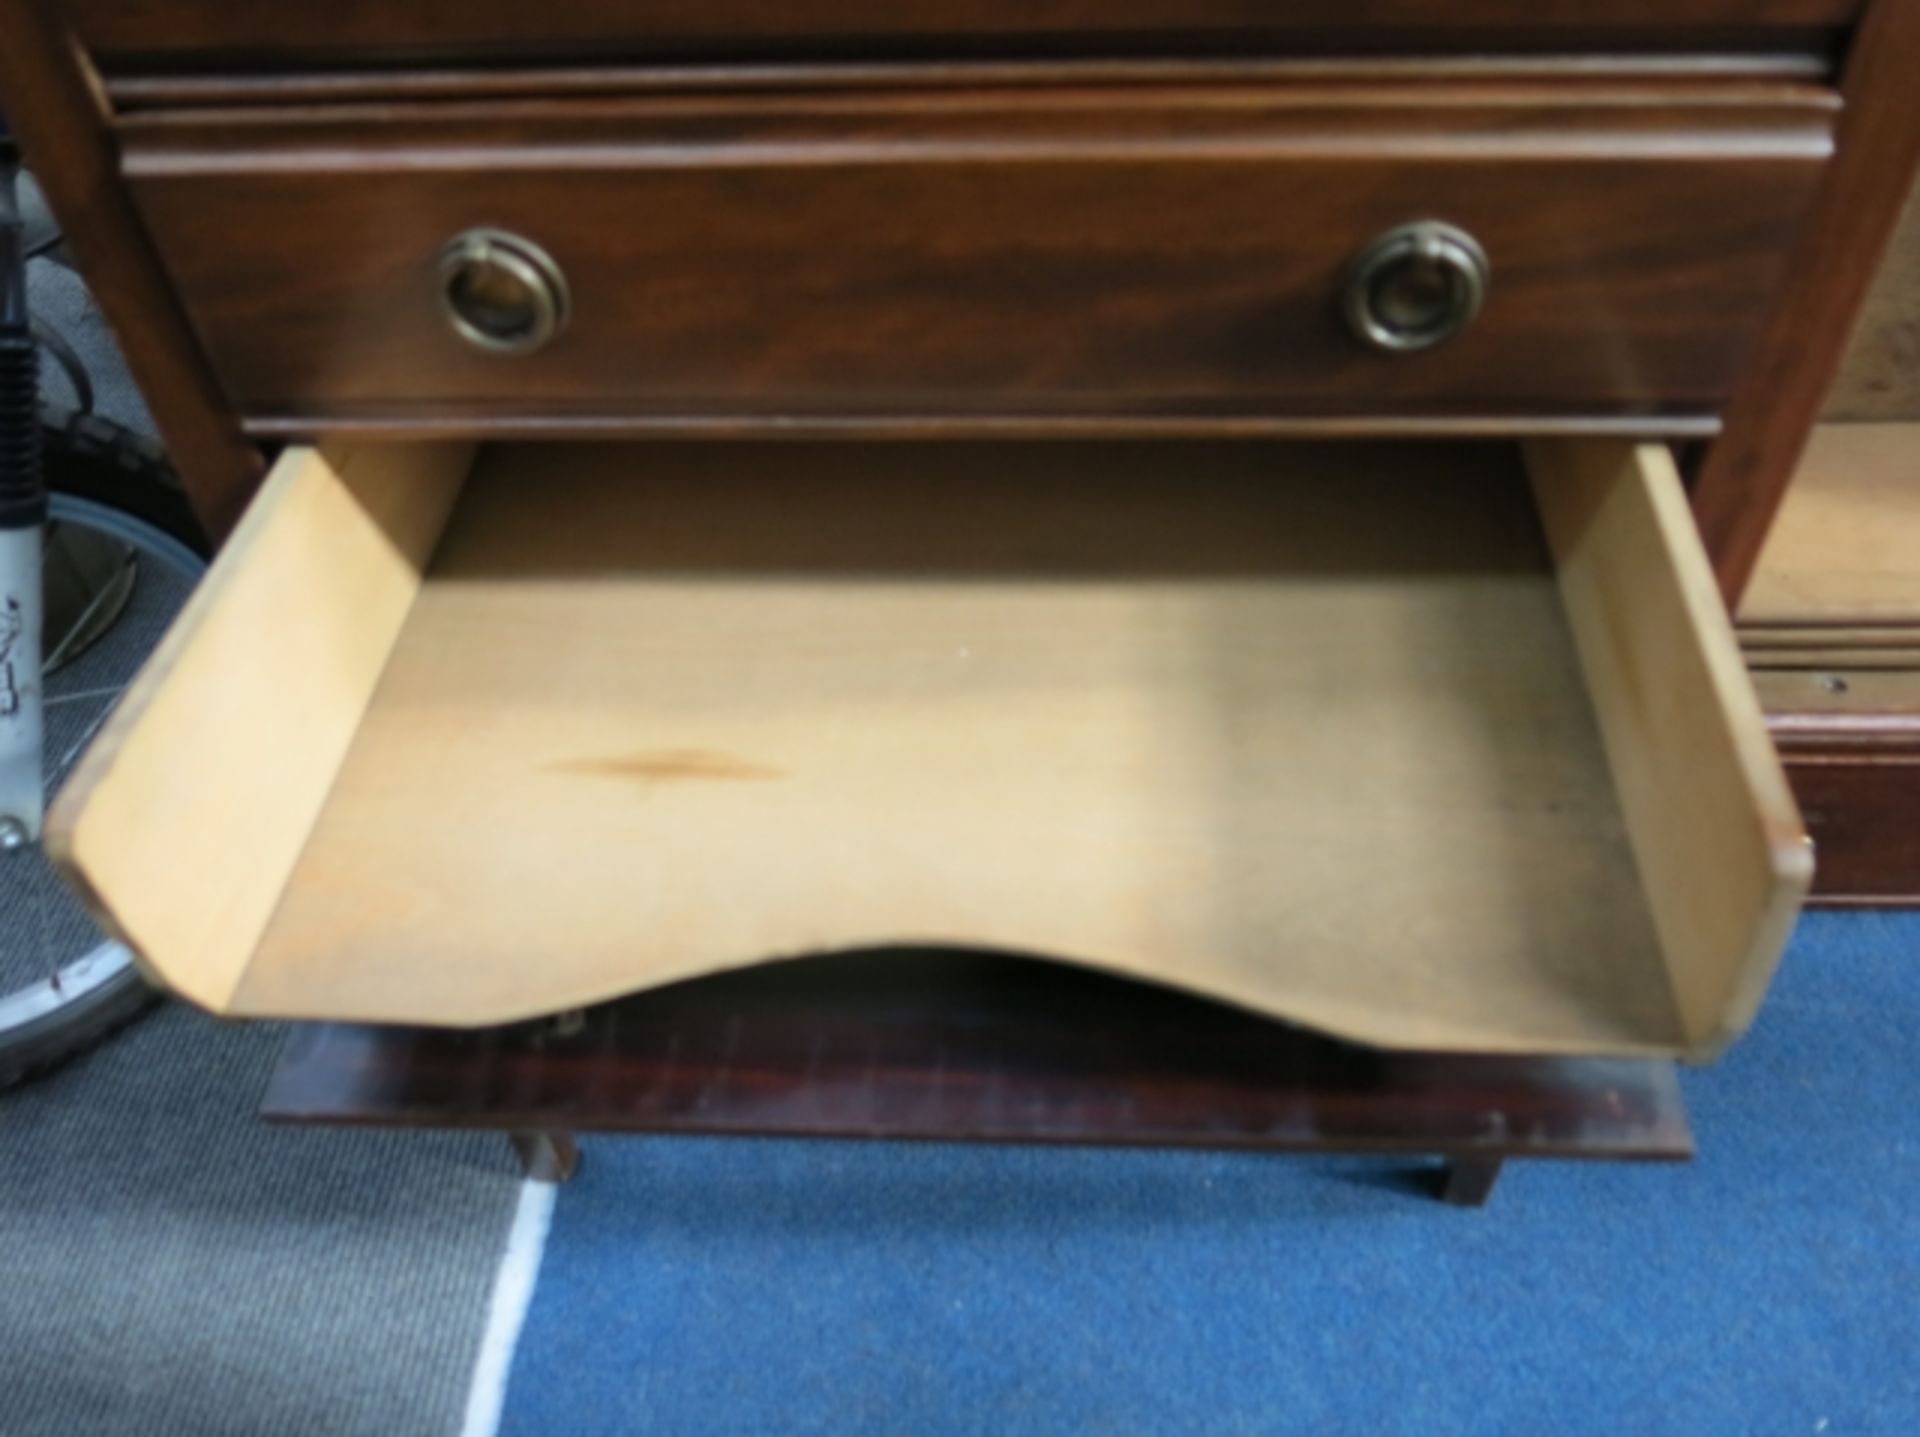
[[1426, 746]]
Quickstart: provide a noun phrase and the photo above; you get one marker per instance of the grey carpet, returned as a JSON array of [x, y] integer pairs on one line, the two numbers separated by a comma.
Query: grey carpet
[[171, 1268], [170, 1265]]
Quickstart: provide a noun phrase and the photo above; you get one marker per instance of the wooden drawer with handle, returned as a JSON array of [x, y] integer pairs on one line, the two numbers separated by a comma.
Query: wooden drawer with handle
[[1506, 255], [1425, 746]]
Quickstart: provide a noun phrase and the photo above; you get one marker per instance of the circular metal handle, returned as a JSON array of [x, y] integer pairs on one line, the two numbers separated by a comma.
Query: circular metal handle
[[501, 292], [1416, 286]]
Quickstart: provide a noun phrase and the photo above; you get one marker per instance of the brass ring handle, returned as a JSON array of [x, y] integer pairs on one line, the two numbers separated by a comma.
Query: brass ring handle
[[501, 292], [1416, 286]]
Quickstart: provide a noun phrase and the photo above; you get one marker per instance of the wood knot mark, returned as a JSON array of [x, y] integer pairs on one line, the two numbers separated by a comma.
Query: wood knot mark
[[670, 765]]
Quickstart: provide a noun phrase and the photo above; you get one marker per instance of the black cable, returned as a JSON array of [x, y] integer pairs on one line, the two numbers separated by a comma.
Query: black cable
[[23, 493]]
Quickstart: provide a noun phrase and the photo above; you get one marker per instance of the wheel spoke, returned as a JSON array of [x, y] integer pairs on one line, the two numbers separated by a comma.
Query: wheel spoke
[[63, 982]]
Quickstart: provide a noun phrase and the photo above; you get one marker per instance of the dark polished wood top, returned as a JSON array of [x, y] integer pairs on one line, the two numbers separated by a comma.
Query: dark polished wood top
[[966, 1046], [247, 33]]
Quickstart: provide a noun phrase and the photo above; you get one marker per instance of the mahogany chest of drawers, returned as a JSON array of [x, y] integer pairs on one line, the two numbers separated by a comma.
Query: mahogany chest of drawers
[[1009, 234]]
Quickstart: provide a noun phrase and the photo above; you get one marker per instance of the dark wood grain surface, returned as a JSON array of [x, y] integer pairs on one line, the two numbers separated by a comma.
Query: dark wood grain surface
[[1859, 808], [249, 32], [1067, 254], [1850, 740], [962, 1046], [53, 105]]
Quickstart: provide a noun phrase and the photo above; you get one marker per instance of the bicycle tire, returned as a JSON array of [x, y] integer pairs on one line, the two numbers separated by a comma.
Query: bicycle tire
[[95, 458], [94, 462]]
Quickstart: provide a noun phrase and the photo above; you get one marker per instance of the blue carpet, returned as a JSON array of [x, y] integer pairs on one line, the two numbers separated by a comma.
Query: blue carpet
[[1772, 1286]]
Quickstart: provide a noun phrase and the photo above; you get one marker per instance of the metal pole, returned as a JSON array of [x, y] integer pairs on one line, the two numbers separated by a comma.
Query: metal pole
[[23, 515]]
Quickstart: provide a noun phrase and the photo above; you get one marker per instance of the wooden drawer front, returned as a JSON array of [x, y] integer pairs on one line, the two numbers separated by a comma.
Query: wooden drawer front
[[129, 32], [1326, 732], [1078, 255]]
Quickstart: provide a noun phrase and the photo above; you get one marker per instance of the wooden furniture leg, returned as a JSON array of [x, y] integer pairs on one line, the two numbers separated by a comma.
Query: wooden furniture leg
[[1468, 1181], [548, 1157]]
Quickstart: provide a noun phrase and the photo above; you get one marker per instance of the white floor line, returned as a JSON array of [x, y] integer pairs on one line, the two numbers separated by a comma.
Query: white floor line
[[507, 1308]]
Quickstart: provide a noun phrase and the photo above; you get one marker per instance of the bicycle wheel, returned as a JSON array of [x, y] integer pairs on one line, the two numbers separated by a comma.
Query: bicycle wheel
[[122, 554]]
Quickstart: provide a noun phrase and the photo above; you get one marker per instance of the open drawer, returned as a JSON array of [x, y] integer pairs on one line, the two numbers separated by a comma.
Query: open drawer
[[1333, 733]]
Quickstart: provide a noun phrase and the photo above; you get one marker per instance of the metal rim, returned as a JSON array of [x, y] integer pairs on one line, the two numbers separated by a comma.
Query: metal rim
[[70, 984], [75, 982], [1448, 246], [529, 264]]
